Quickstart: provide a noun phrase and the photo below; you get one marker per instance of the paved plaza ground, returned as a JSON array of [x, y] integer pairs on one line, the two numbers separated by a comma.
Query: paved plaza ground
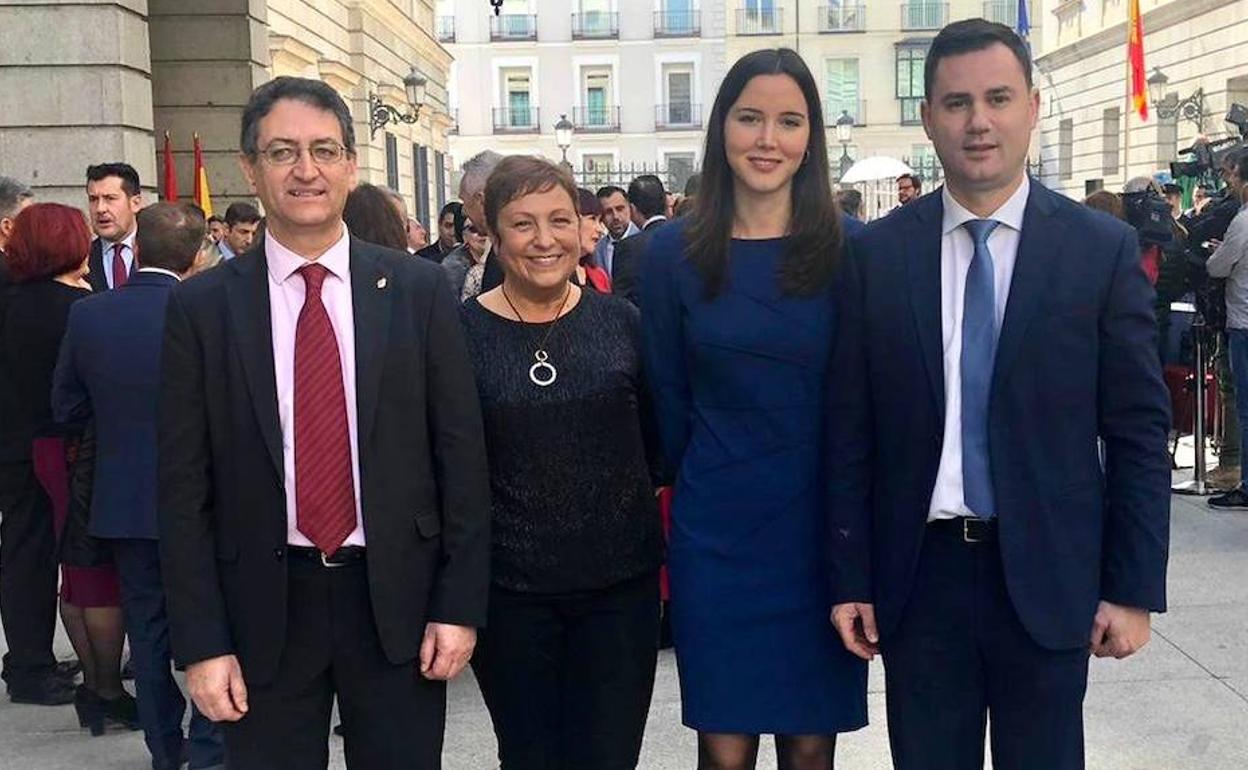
[[1180, 704]]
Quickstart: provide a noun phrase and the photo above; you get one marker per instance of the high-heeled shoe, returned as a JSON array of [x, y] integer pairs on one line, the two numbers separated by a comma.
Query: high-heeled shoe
[[90, 710], [122, 710]]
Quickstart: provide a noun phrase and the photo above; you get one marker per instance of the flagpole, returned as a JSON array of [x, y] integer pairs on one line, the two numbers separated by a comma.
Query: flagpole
[[1126, 120]]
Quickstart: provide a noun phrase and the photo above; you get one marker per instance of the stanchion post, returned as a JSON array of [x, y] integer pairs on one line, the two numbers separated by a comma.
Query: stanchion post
[[1197, 485]]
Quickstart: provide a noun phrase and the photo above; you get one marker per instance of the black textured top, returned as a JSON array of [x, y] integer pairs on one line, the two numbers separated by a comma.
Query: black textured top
[[32, 322], [573, 504]]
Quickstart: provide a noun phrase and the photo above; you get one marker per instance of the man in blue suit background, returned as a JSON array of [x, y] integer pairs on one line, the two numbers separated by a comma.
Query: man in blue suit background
[[990, 333], [109, 371]]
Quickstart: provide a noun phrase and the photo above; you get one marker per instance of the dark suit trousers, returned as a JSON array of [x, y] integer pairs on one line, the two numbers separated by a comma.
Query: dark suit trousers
[[393, 717], [27, 574], [161, 705], [961, 654]]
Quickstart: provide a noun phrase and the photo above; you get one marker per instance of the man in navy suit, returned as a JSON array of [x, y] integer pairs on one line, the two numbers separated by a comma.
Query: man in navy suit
[[109, 371], [990, 333]]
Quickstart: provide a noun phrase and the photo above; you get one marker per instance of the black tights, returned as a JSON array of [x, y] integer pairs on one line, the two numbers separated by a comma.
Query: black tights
[[740, 752]]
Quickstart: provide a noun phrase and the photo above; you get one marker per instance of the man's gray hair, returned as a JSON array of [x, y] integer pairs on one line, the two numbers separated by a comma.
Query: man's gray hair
[[12, 193], [476, 170]]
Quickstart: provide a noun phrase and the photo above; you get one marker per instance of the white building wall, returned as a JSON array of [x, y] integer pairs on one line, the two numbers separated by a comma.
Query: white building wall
[[1198, 44]]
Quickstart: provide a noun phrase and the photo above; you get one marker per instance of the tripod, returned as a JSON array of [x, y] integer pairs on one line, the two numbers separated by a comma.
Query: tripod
[[1197, 486]]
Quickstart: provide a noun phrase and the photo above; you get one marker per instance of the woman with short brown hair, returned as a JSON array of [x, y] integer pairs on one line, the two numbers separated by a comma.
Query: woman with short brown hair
[[566, 661]]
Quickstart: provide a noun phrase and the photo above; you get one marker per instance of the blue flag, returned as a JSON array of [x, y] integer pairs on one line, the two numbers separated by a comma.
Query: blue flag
[[1024, 23]]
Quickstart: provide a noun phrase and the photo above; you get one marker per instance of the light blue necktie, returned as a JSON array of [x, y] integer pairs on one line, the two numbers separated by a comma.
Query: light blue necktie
[[979, 348]]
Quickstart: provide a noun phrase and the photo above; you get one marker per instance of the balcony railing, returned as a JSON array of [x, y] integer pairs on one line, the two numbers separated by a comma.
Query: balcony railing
[[924, 15], [591, 120], [842, 18], [517, 120], [833, 108], [596, 25], [454, 115], [678, 23], [760, 21], [513, 26], [1002, 11], [681, 116], [446, 29]]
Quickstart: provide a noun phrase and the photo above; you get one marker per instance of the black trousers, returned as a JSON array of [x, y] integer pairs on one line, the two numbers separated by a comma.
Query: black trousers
[[567, 678], [961, 654], [394, 718], [27, 575]]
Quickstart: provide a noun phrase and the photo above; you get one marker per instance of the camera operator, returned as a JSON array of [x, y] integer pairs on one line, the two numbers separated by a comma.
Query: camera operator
[[1230, 260]]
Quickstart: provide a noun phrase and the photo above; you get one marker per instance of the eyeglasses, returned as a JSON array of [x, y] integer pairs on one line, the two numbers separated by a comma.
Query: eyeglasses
[[325, 153]]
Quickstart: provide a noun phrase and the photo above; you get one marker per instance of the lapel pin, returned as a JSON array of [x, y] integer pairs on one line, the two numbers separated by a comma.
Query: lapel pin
[[381, 283]]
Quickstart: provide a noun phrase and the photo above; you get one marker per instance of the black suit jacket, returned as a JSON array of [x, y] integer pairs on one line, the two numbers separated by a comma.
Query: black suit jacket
[[1077, 360], [626, 262], [95, 263], [424, 487]]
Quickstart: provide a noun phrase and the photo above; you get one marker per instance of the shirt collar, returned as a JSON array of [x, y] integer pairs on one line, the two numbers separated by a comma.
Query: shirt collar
[[224, 248], [1010, 214], [128, 242], [655, 218], [282, 262], [160, 270]]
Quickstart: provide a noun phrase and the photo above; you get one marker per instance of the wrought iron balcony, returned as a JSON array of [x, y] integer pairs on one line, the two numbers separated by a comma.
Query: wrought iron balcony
[[678, 23], [681, 116], [590, 120], [595, 25], [513, 26], [924, 15], [842, 18], [760, 21], [517, 120]]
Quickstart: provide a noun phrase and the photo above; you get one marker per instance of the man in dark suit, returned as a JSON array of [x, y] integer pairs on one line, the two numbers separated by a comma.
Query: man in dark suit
[[114, 197], [109, 372], [14, 196], [990, 332], [475, 171], [324, 502], [649, 203]]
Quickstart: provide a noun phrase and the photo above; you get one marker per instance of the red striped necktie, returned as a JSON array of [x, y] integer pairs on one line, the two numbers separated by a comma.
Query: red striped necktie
[[324, 492]]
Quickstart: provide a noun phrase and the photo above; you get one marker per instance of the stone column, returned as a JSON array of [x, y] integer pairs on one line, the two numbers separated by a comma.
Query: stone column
[[75, 77], [207, 57]]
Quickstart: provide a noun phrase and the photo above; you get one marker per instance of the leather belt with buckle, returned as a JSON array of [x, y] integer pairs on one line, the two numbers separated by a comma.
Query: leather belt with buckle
[[348, 554], [968, 528]]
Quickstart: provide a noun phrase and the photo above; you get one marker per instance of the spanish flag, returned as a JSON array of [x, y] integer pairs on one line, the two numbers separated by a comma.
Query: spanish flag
[[203, 196], [171, 172], [1135, 54]]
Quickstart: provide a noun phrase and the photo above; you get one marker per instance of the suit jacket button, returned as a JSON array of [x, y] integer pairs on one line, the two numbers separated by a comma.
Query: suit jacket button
[[279, 553]]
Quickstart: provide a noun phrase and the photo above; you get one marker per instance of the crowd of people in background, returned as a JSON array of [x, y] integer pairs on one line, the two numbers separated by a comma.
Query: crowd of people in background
[[312, 452]]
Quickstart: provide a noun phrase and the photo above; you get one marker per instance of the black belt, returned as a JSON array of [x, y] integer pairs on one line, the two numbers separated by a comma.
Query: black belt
[[348, 554], [968, 528]]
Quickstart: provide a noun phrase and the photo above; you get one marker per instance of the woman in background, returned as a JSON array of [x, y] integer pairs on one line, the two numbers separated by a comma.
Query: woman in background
[[47, 260], [588, 274], [371, 215]]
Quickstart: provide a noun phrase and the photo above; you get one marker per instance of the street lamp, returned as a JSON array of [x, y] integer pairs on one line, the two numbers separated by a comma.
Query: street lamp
[[844, 133], [563, 136], [415, 89], [498, 6], [1170, 105]]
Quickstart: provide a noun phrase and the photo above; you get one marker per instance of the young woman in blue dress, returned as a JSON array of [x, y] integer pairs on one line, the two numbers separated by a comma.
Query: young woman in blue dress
[[738, 324]]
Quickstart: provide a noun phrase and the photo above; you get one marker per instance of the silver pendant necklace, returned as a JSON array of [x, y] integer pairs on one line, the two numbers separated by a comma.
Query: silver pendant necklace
[[543, 373]]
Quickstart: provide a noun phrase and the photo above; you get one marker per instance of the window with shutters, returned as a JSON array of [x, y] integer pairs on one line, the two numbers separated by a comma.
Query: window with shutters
[[843, 91], [420, 176], [392, 162]]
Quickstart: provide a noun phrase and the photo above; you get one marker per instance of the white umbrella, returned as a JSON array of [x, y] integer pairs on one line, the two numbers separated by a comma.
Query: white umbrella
[[875, 167]]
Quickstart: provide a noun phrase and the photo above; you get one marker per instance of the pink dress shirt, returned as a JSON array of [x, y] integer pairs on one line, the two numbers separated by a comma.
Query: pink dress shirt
[[286, 292]]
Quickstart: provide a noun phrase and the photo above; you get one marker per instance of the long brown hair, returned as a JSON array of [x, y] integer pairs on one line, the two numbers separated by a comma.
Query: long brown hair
[[815, 227], [371, 216]]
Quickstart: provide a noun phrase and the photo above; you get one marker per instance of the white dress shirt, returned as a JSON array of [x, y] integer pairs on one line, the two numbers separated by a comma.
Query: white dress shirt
[[956, 250], [127, 256], [286, 293]]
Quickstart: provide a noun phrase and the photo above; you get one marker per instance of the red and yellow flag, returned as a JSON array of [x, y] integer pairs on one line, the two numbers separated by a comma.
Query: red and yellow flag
[[203, 196], [171, 172], [1135, 54]]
